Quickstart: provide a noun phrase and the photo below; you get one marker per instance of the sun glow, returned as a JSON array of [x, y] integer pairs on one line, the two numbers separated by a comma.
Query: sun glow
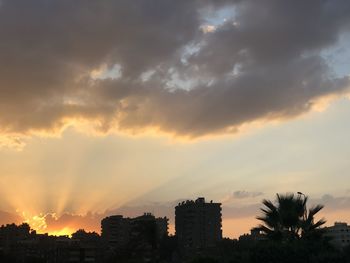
[[39, 224], [66, 231], [36, 222]]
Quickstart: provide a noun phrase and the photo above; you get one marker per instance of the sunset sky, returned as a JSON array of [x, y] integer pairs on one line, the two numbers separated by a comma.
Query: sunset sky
[[124, 107]]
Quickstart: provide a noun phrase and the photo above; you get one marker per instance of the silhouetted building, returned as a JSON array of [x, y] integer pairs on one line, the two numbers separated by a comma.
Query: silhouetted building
[[20, 244], [73, 250], [134, 238], [255, 235], [339, 234], [115, 232], [198, 224], [40, 246], [89, 245], [11, 235], [160, 225]]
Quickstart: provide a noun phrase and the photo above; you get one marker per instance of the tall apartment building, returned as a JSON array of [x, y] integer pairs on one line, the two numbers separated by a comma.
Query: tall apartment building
[[339, 234], [147, 220], [118, 231], [115, 231], [198, 224]]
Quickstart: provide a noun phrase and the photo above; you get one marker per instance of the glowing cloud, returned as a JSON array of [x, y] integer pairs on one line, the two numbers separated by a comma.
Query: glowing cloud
[[137, 74]]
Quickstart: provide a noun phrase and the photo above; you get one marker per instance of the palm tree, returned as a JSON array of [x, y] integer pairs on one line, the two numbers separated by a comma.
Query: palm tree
[[288, 218]]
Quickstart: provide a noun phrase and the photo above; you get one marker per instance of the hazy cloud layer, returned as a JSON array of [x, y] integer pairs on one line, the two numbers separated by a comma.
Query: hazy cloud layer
[[91, 221], [242, 197], [245, 194], [333, 203], [9, 218], [133, 65]]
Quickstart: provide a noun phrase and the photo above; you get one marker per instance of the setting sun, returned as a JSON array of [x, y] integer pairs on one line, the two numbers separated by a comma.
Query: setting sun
[[62, 232]]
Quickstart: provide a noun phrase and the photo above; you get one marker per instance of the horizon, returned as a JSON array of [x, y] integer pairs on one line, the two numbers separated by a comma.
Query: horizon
[[119, 107], [68, 231]]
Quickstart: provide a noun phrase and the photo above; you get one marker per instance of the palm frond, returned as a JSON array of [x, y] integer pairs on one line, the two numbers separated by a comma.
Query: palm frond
[[288, 217]]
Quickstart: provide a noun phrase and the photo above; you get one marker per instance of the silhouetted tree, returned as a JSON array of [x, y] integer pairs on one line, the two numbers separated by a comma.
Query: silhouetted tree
[[84, 236], [289, 219]]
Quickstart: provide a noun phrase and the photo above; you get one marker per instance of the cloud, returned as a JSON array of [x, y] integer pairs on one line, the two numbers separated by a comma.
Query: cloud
[[72, 222], [245, 211], [13, 142], [245, 194], [240, 196], [92, 221], [68, 223], [333, 208], [332, 203], [201, 83], [9, 218], [235, 210]]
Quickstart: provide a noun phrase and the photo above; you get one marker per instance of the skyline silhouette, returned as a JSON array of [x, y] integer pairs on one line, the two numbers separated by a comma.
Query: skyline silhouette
[[289, 227], [44, 220]]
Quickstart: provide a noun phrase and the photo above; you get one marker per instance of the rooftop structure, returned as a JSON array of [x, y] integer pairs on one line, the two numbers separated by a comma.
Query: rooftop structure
[[339, 234]]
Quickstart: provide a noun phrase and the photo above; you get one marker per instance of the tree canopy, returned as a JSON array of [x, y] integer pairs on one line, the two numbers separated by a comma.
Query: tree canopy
[[288, 218]]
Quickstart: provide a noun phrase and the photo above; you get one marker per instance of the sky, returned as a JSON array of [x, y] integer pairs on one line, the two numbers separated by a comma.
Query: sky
[[125, 107]]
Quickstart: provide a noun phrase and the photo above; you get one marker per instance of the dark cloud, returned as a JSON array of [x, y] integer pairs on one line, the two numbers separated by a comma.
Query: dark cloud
[[264, 63]]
